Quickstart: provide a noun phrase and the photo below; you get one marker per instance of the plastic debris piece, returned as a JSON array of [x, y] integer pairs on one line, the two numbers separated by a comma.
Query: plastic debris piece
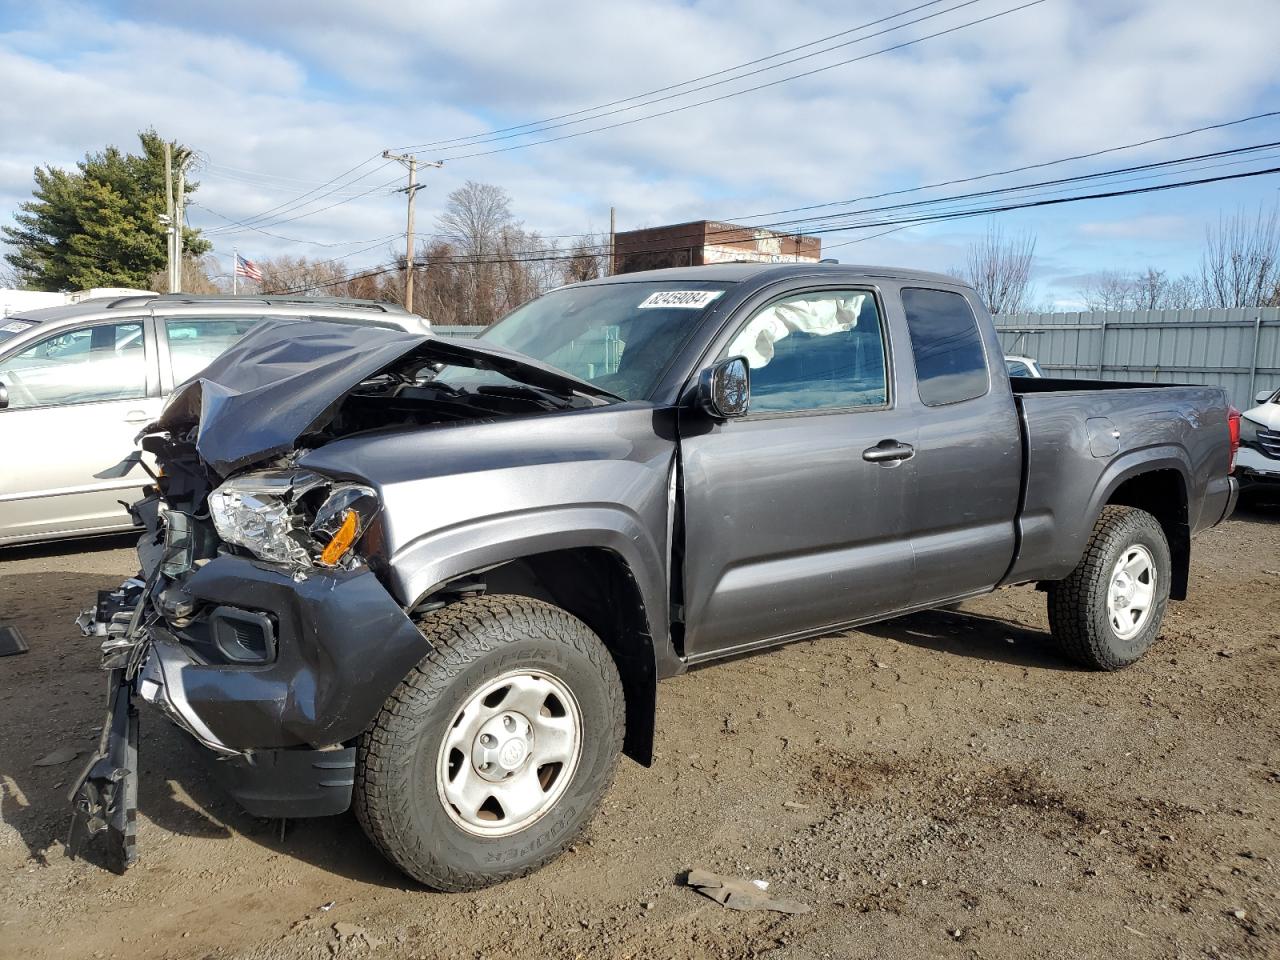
[[738, 894], [59, 756]]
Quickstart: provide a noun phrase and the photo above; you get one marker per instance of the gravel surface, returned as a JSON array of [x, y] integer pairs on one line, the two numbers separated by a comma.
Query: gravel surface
[[942, 785]]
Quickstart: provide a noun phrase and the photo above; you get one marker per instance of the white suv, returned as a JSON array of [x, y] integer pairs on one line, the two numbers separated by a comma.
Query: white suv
[[1258, 462]]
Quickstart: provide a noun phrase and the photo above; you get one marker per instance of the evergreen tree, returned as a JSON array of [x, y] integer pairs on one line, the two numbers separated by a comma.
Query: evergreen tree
[[99, 225]]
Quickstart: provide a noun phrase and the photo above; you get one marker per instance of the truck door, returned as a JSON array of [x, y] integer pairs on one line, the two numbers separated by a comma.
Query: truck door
[[793, 514], [968, 460]]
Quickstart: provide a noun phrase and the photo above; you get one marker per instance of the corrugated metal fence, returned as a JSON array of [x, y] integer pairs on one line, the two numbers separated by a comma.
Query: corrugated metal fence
[[462, 332], [1236, 349]]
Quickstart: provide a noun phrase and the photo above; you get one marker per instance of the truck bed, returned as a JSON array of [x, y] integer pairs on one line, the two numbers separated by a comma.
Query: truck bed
[[1082, 439]]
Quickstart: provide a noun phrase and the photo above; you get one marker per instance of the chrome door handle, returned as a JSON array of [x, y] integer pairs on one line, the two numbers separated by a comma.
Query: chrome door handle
[[888, 451], [136, 416]]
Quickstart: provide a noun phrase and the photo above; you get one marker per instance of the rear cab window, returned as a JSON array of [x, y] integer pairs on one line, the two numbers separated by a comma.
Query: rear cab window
[[951, 362]]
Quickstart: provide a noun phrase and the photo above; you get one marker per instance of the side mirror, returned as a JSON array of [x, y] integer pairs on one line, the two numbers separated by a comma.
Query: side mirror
[[1262, 396], [4, 396], [724, 390]]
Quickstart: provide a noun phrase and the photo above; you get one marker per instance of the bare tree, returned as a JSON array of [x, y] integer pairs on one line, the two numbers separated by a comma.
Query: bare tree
[[1150, 289], [999, 268], [197, 276], [587, 261], [12, 278], [1184, 293], [1109, 290], [1241, 262], [475, 218]]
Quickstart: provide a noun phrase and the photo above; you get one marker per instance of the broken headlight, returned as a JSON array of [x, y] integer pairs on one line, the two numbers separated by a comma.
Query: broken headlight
[[293, 516]]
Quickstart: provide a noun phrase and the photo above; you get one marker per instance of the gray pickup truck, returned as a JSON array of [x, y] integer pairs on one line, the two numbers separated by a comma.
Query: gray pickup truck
[[438, 580]]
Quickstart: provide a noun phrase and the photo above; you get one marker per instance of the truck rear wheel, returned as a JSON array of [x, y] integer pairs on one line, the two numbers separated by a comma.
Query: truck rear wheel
[[493, 754], [1107, 611]]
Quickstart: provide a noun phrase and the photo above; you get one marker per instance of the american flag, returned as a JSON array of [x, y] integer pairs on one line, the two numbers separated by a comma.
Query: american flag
[[247, 269]]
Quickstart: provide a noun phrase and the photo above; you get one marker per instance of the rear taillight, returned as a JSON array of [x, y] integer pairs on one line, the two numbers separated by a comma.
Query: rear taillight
[[1233, 430]]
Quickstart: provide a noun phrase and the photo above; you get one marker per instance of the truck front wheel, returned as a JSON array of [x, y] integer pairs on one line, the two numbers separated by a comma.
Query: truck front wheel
[[1107, 611], [493, 754]]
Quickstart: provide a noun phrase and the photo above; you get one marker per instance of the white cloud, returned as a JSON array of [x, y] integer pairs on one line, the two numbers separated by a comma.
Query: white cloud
[[305, 90]]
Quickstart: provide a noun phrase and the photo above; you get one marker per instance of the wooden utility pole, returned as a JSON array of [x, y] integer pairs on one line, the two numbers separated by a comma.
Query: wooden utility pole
[[168, 211], [613, 232], [179, 203], [410, 161]]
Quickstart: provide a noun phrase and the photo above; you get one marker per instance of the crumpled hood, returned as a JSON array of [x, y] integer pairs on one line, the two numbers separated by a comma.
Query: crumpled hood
[[285, 378]]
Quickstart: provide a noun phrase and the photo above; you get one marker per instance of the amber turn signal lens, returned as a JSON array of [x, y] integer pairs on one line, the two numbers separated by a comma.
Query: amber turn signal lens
[[342, 540]]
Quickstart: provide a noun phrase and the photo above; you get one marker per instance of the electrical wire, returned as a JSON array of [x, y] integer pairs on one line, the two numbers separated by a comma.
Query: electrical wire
[[226, 231], [684, 83], [479, 139], [738, 93], [901, 222], [320, 193]]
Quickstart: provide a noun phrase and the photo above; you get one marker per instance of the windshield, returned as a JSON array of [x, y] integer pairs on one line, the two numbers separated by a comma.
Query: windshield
[[619, 336]]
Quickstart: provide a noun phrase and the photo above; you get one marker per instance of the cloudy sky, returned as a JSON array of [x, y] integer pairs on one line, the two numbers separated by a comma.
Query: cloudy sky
[[279, 98]]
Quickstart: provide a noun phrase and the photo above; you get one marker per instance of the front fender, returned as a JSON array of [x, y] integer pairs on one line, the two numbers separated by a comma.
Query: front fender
[[426, 563]]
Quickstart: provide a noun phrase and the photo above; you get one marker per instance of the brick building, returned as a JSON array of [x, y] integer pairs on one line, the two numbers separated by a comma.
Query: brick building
[[707, 241]]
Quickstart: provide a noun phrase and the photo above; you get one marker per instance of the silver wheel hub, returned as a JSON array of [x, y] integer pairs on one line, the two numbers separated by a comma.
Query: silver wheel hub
[[502, 746], [510, 753], [1131, 594]]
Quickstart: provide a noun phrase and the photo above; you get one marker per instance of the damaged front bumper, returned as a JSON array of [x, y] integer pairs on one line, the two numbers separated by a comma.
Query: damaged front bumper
[[327, 650]]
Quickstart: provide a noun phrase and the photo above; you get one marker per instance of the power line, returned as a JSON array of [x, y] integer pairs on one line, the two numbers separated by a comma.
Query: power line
[[277, 221], [1022, 169], [761, 86], [683, 83], [256, 177], [650, 99], [301, 201], [226, 231], [901, 222], [806, 223]]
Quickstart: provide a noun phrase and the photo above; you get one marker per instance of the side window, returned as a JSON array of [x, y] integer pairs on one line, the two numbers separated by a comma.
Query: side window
[[195, 342], [102, 362], [815, 351], [1017, 368], [950, 363]]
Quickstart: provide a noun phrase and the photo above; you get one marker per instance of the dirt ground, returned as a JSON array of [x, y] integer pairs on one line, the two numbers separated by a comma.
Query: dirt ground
[[937, 786]]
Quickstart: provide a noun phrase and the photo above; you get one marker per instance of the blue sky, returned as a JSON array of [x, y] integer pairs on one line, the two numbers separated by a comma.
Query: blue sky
[[280, 97]]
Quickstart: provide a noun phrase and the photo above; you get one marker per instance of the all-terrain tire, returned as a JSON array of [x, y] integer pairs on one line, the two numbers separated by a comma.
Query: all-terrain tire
[[397, 797], [1079, 612]]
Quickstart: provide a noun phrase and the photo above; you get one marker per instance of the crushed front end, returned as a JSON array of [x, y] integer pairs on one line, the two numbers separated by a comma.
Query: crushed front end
[[256, 625], [260, 623]]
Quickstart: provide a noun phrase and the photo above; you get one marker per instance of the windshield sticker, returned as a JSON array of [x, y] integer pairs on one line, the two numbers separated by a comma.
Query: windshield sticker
[[682, 299], [16, 326]]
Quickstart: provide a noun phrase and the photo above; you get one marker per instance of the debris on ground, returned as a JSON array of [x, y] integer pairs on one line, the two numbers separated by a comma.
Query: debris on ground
[[12, 642], [59, 756], [738, 894]]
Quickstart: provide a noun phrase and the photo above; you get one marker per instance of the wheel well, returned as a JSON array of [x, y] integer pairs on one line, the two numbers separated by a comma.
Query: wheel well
[[1163, 494], [596, 586]]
